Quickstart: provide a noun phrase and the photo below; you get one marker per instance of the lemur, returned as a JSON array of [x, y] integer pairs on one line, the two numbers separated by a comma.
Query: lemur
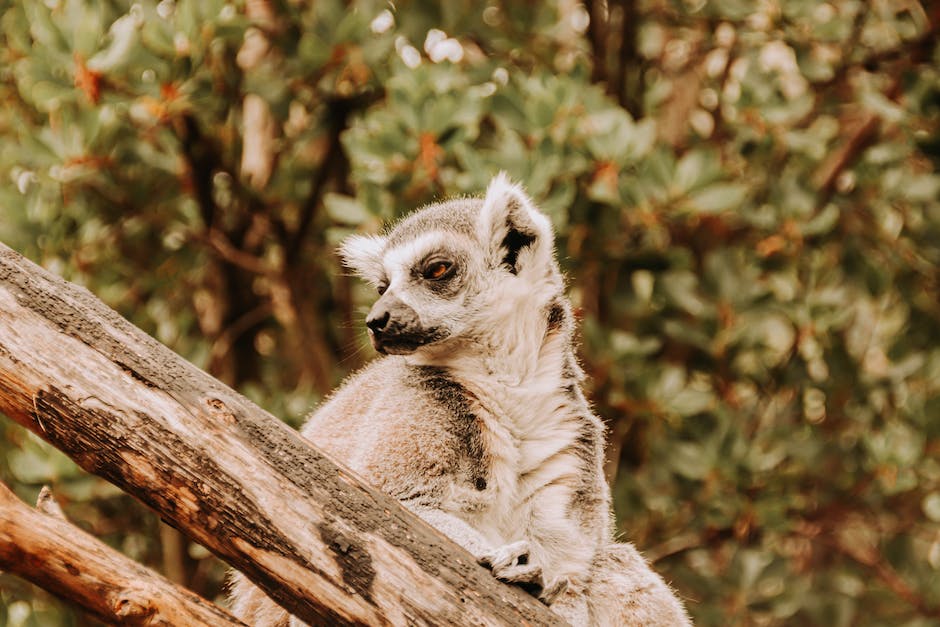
[[474, 417]]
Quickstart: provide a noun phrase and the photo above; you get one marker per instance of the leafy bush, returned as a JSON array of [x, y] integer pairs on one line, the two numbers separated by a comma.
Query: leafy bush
[[746, 204]]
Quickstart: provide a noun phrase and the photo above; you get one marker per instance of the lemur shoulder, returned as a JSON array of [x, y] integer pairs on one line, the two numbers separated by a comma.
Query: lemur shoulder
[[474, 416]]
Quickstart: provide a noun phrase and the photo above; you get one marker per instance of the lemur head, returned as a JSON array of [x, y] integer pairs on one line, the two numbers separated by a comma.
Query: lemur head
[[461, 273]]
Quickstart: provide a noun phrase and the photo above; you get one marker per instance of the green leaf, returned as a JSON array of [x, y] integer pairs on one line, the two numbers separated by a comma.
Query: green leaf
[[696, 168], [823, 222], [691, 461], [345, 209], [611, 135], [622, 343], [923, 188], [931, 506], [718, 198]]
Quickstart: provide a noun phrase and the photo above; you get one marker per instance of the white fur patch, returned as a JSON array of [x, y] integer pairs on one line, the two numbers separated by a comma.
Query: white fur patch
[[402, 258], [500, 194], [507, 203], [362, 255]]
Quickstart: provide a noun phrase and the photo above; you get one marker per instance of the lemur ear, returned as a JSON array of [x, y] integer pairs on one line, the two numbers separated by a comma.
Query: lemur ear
[[514, 231], [363, 255]]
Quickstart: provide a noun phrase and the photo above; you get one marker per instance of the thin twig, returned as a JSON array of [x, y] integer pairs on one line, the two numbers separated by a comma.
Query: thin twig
[[877, 563], [226, 250], [224, 342]]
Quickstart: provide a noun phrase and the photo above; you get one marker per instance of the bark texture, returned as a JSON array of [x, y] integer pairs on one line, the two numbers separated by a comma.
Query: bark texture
[[226, 473], [42, 547]]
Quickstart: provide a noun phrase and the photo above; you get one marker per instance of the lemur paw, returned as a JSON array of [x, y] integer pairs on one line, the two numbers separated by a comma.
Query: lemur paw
[[510, 563], [508, 555], [553, 589]]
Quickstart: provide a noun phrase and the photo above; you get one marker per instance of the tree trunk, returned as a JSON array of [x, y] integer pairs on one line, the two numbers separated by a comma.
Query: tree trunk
[[225, 472]]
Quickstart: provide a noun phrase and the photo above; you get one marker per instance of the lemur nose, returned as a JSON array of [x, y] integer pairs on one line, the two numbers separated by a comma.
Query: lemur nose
[[377, 323]]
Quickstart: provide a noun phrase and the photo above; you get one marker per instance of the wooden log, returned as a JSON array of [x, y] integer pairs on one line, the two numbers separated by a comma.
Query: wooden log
[[47, 550], [229, 475]]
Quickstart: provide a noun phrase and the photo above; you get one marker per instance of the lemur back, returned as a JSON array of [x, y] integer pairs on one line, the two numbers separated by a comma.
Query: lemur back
[[474, 416]]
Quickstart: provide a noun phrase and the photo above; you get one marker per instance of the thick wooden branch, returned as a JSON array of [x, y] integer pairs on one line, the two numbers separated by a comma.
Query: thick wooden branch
[[44, 548], [225, 472]]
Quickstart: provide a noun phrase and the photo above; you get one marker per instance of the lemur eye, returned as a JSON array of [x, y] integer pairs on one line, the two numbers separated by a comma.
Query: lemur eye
[[437, 270], [381, 288]]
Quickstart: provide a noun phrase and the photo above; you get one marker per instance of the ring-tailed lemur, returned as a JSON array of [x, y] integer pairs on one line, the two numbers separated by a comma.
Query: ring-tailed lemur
[[474, 418]]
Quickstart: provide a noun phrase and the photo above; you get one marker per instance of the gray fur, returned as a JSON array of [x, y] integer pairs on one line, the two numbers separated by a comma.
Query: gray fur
[[456, 216], [475, 420]]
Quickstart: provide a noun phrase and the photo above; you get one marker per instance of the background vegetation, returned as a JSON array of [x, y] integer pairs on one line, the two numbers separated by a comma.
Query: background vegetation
[[747, 207]]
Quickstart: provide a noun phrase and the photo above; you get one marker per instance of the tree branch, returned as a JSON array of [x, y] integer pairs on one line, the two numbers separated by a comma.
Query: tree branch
[[226, 473], [860, 134], [872, 559], [317, 190], [597, 35], [201, 163], [627, 82], [331, 167], [44, 548], [223, 247]]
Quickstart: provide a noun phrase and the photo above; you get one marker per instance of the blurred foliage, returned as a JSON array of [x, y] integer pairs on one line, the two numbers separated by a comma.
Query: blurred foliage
[[747, 205]]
